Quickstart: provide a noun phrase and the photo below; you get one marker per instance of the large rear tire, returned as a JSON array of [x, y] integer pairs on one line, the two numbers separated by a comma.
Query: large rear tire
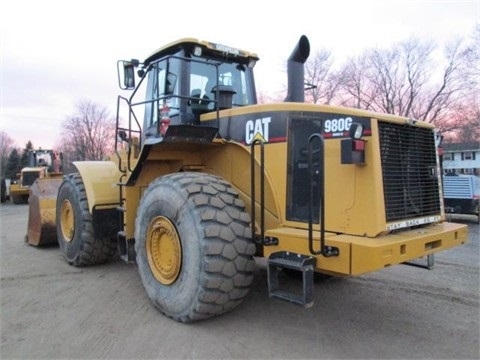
[[193, 246], [75, 232]]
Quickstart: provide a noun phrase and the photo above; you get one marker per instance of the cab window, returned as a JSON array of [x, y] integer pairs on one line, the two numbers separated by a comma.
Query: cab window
[[162, 89]]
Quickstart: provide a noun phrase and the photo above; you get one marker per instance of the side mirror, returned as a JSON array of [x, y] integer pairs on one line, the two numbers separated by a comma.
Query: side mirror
[[122, 134], [126, 73]]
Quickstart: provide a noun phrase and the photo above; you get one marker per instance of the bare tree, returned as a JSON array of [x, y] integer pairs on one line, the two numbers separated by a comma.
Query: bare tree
[[320, 77], [448, 92], [88, 134], [392, 79], [467, 114], [410, 80], [472, 59], [413, 78], [465, 126], [6, 147], [355, 89], [263, 97]]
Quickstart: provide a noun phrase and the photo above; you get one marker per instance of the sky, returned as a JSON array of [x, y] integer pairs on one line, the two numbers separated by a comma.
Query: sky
[[55, 53]]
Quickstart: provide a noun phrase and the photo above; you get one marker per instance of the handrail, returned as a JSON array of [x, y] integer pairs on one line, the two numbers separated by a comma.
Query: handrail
[[326, 251], [262, 189], [129, 130]]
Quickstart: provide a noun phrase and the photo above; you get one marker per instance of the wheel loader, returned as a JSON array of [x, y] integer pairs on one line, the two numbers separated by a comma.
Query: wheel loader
[[206, 181], [41, 164], [37, 185]]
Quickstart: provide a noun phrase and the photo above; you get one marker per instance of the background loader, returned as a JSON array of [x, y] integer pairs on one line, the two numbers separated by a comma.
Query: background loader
[[38, 184], [205, 179], [41, 164]]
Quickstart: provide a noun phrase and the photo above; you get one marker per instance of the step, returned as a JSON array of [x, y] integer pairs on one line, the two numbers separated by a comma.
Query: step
[[288, 260], [126, 248]]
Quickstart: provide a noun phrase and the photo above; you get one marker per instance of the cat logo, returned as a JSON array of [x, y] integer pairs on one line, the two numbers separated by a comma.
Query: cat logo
[[257, 129]]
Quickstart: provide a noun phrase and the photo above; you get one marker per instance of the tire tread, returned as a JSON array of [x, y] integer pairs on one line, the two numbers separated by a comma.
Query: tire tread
[[92, 250], [226, 245]]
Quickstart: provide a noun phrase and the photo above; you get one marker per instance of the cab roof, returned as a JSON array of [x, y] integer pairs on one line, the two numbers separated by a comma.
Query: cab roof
[[217, 50]]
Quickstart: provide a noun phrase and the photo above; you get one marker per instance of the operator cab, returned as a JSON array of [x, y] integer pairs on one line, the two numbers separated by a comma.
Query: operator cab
[[186, 79]]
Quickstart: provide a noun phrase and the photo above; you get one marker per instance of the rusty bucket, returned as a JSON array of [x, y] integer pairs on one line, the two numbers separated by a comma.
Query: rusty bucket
[[42, 211]]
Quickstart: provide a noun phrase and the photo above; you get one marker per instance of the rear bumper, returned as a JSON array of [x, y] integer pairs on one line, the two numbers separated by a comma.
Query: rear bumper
[[360, 255], [373, 254]]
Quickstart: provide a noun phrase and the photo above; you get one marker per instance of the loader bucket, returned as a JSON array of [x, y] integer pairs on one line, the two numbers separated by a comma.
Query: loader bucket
[[42, 212]]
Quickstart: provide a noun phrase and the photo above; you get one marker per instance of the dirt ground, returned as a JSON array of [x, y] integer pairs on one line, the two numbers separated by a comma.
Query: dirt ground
[[52, 310]]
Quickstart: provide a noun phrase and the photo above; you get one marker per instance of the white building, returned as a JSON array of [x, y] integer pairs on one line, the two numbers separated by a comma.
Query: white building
[[462, 158]]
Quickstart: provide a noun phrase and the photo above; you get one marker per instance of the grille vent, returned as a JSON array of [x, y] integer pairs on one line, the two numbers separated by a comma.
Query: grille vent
[[410, 179], [29, 177]]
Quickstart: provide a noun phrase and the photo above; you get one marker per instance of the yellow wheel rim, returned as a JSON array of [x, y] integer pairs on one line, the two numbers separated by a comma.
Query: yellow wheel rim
[[164, 251], [67, 220]]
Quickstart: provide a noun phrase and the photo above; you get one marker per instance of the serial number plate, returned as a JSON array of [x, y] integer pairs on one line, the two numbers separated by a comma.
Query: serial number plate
[[413, 222]]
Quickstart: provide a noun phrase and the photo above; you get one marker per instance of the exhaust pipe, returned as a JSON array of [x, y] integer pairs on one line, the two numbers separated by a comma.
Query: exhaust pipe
[[296, 72]]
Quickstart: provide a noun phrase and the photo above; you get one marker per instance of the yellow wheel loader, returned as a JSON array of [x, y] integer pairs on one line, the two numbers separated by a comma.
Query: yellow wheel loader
[[37, 185], [205, 179], [41, 164]]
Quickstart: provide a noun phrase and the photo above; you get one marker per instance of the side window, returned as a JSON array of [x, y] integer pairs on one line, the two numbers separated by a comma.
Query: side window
[[204, 76], [234, 75], [159, 91], [162, 88], [198, 85]]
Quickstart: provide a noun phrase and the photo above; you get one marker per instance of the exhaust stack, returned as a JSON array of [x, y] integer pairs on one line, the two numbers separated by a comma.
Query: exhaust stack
[[296, 72]]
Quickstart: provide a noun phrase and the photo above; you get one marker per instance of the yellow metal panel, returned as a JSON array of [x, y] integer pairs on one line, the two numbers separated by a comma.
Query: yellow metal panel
[[16, 189], [360, 254], [374, 254], [100, 179], [208, 44], [354, 196], [232, 162], [296, 240], [162, 159], [367, 215], [296, 106], [132, 199]]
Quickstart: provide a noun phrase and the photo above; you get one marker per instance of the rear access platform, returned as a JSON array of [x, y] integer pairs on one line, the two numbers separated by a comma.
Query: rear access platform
[[356, 254]]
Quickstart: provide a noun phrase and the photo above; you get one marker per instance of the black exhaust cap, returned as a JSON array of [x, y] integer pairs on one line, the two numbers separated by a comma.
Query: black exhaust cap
[[296, 72]]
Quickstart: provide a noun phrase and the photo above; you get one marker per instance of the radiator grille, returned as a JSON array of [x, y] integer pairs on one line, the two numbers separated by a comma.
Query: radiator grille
[[410, 179], [29, 177]]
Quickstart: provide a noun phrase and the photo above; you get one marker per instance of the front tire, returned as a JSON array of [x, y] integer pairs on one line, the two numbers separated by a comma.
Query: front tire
[[75, 231], [193, 246]]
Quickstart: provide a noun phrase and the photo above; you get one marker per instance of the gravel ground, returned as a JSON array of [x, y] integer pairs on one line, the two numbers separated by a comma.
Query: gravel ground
[[52, 310]]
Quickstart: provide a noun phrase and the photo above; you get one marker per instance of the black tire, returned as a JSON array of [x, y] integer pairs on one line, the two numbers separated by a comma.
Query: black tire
[[3, 191], [75, 231], [19, 199], [212, 267]]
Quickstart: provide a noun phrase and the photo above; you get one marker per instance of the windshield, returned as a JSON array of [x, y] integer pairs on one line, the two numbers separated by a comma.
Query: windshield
[[204, 76], [187, 87]]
